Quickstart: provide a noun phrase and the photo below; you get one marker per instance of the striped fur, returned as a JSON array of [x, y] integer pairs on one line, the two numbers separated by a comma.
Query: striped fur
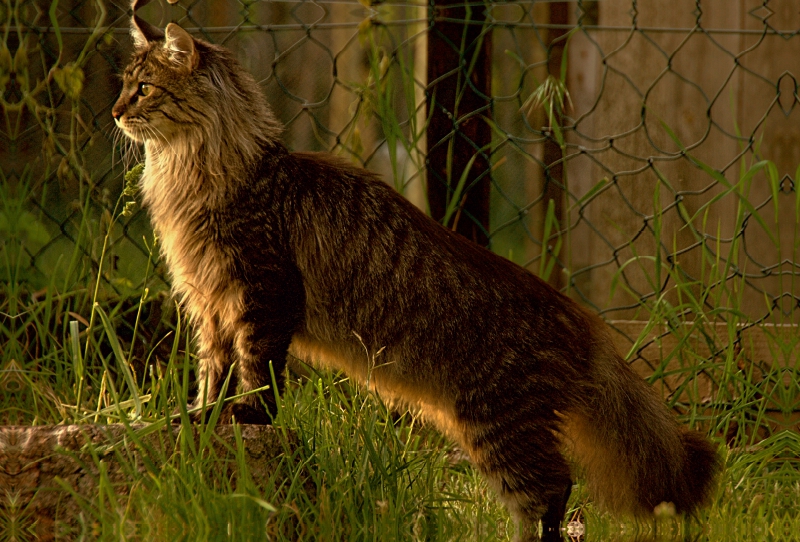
[[274, 252]]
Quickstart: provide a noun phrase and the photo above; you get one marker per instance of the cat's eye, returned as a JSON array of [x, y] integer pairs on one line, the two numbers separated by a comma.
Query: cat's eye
[[144, 89]]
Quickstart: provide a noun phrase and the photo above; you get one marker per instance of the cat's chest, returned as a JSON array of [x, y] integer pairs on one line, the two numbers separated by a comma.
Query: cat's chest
[[187, 226]]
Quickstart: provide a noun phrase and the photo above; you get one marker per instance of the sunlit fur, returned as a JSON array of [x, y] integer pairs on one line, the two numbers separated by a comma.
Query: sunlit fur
[[195, 155], [273, 252]]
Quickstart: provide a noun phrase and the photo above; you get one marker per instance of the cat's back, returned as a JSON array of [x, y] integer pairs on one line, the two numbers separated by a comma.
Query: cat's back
[[431, 300], [359, 243], [353, 211], [345, 214]]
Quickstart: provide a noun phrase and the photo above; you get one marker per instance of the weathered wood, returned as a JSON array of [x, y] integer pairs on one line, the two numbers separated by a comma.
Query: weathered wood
[[37, 462], [583, 84], [459, 94], [519, 64], [655, 64], [766, 106]]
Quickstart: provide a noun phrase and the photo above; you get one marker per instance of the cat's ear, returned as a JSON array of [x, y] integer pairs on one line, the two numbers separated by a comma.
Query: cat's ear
[[143, 33], [180, 47]]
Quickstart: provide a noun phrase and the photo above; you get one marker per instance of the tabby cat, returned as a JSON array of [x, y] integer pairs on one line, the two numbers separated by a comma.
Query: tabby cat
[[274, 252]]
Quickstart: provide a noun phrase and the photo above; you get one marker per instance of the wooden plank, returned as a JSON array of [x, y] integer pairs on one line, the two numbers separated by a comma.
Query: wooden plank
[[646, 78], [519, 61], [583, 83], [766, 107]]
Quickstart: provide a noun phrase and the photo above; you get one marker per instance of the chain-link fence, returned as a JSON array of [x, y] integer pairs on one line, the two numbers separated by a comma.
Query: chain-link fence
[[643, 157]]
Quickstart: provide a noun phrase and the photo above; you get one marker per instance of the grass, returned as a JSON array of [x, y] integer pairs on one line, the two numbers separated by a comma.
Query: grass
[[85, 353], [357, 473], [354, 471]]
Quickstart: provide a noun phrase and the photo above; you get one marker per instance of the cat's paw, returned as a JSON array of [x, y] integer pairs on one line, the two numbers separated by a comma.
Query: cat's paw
[[245, 414], [239, 412]]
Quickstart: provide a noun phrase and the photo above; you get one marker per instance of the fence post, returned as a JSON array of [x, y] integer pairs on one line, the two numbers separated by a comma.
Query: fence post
[[458, 95], [553, 157]]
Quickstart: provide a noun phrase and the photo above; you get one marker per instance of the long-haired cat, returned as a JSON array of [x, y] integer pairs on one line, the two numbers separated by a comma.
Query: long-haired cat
[[274, 252]]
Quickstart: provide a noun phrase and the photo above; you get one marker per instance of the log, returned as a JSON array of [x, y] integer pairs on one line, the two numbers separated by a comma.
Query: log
[[46, 470]]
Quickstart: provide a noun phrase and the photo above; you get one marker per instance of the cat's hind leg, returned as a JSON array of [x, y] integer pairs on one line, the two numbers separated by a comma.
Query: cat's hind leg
[[522, 461]]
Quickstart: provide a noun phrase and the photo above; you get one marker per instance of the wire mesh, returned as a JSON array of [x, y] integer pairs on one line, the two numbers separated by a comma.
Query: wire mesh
[[643, 157]]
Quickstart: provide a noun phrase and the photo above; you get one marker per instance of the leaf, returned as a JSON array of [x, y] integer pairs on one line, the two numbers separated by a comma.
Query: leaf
[[565, 56], [53, 14], [455, 198], [21, 59], [6, 67], [70, 80], [518, 58], [591, 193], [76, 348], [6, 63], [260, 502], [797, 194], [546, 263], [121, 361], [775, 186], [363, 31]]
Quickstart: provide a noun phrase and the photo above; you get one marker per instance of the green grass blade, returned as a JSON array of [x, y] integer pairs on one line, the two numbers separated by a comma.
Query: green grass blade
[[122, 362]]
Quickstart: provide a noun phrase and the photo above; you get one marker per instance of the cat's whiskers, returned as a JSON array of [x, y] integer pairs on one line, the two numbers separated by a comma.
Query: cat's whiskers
[[120, 143], [129, 151], [133, 154], [109, 127]]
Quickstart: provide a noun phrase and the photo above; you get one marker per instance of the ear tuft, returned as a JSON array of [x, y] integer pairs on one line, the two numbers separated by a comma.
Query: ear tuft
[[136, 4], [180, 47], [143, 32]]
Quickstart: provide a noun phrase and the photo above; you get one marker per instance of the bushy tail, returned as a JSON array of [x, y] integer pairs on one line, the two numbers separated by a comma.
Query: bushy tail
[[634, 453]]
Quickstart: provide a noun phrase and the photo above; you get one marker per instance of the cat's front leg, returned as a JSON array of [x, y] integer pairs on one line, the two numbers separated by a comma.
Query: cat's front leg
[[216, 353], [271, 317]]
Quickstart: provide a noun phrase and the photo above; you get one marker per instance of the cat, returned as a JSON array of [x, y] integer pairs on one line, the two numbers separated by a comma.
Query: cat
[[273, 252]]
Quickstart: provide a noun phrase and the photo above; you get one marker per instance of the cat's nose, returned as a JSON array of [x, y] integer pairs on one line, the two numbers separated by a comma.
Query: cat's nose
[[117, 111]]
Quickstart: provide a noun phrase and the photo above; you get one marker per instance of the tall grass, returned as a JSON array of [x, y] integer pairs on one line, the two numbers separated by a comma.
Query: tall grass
[[711, 369], [352, 469]]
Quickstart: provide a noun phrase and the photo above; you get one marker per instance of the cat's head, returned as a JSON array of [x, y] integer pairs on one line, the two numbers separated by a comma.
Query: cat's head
[[176, 86]]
